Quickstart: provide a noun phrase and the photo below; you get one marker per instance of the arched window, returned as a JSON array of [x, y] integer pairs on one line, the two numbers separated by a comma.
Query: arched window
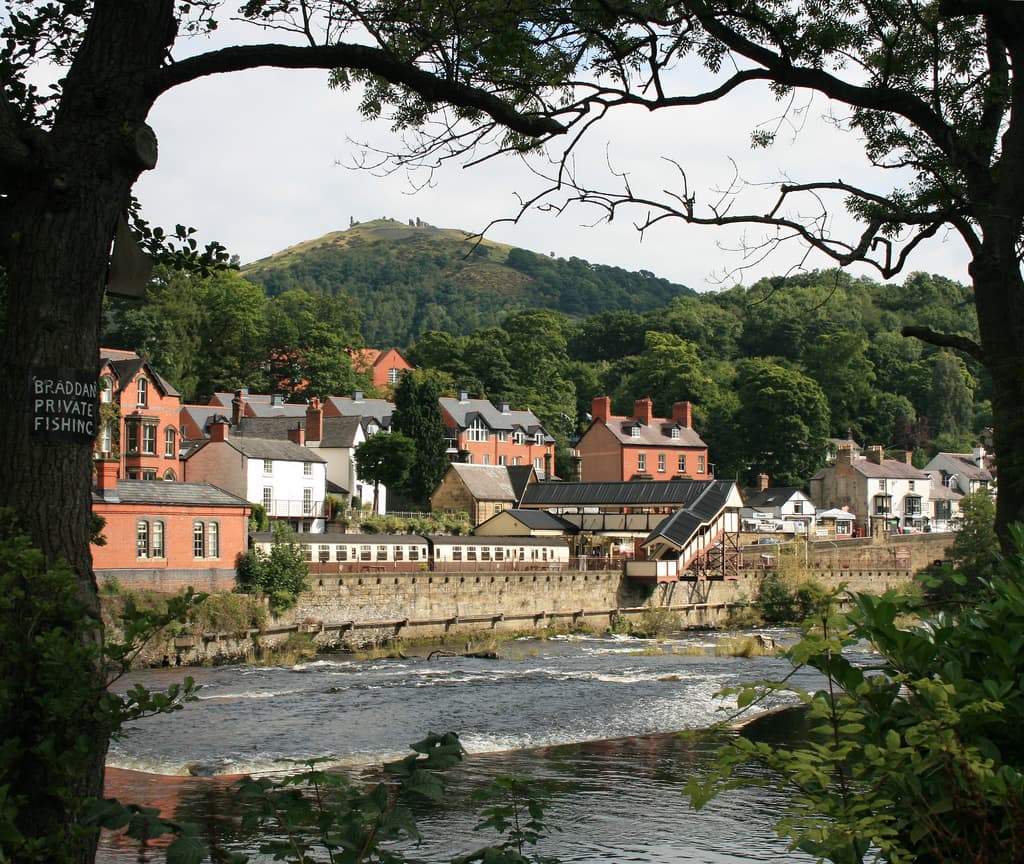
[[142, 539], [157, 549], [170, 475], [142, 399], [106, 389], [198, 540]]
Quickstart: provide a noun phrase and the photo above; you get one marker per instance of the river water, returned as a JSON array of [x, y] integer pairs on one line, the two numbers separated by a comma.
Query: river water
[[593, 715]]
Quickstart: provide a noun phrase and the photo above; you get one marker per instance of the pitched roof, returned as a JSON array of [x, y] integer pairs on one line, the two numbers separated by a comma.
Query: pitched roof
[[164, 493], [620, 493], [484, 540], [963, 463], [267, 448], [678, 528], [774, 496], [485, 482], [377, 409], [312, 539], [889, 469], [657, 434], [126, 368], [521, 476], [464, 411], [537, 520]]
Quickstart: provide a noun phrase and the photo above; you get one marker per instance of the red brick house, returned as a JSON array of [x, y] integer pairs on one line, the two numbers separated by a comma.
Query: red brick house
[[641, 447], [139, 418], [382, 368], [480, 433], [167, 536]]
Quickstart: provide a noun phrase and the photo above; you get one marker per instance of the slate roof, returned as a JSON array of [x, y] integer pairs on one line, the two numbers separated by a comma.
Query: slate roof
[[658, 434], [889, 469], [164, 493], [378, 409], [678, 528], [485, 482], [268, 448], [202, 415], [520, 476], [496, 540], [774, 496], [621, 493], [539, 520], [464, 411], [965, 465]]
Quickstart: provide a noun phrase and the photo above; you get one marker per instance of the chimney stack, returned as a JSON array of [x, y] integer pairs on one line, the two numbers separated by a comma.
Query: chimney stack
[[106, 475], [643, 410], [979, 456], [762, 482], [908, 457], [314, 420], [219, 428], [238, 407], [601, 408], [682, 413], [297, 435], [844, 455], [876, 453]]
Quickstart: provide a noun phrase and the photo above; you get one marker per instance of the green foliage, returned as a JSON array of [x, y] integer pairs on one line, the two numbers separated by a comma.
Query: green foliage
[[975, 550], [656, 621], [781, 602], [225, 612], [281, 574], [418, 417], [916, 757], [387, 458], [515, 812]]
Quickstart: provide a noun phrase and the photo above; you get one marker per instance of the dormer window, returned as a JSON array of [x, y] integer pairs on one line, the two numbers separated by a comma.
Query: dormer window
[[142, 399], [634, 431], [675, 432], [518, 437], [106, 390], [477, 431], [538, 439]]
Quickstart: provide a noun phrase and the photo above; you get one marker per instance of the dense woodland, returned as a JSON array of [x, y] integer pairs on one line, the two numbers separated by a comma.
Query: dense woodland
[[798, 359]]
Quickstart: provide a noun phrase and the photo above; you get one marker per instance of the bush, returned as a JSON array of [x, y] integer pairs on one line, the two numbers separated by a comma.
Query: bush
[[228, 613], [657, 621], [280, 574]]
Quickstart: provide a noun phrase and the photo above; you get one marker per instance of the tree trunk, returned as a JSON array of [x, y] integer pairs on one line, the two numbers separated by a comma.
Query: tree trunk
[[58, 225], [999, 298]]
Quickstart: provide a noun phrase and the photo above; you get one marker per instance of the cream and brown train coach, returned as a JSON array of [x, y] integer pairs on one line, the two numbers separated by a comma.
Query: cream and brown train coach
[[367, 553]]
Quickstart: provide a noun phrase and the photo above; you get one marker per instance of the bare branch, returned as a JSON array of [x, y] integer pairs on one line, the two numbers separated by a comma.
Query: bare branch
[[351, 56], [946, 340]]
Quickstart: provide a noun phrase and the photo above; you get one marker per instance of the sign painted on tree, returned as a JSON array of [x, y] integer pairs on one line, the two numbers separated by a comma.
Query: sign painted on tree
[[64, 405]]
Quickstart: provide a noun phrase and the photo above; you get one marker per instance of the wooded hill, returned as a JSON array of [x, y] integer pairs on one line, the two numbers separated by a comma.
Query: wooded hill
[[407, 279]]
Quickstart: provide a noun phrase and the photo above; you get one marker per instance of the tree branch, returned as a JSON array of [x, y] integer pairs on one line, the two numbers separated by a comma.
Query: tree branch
[[945, 340], [351, 56]]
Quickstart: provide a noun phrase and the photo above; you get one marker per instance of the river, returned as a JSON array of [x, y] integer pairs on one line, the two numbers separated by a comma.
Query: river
[[594, 715]]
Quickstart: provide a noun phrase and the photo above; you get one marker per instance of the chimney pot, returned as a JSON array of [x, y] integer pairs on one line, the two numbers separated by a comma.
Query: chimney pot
[[876, 453], [298, 435]]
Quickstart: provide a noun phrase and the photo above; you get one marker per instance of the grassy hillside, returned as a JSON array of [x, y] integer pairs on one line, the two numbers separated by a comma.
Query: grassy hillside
[[407, 279]]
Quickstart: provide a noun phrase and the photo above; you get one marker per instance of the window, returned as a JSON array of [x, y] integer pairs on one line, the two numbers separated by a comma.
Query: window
[[169, 442], [798, 507], [213, 540], [701, 464], [400, 552], [538, 463], [502, 436], [142, 539], [268, 498], [341, 553], [682, 463], [131, 435], [912, 505], [675, 432], [156, 545], [516, 460], [503, 460], [309, 551], [477, 431], [485, 553], [641, 462], [414, 553], [198, 540], [943, 509], [307, 502], [170, 475], [661, 463], [634, 431], [471, 553], [106, 390], [883, 505], [538, 439], [142, 398], [307, 469], [843, 526], [911, 486], [268, 467], [487, 459], [324, 553], [499, 553], [393, 375], [364, 553], [107, 438], [149, 439], [456, 553], [382, 552], [518, 437]]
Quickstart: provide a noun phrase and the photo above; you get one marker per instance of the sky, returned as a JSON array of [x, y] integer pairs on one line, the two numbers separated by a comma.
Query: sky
[[263, 159]]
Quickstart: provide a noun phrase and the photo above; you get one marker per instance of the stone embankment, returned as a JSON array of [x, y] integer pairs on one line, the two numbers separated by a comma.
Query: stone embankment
[[359, 610]]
